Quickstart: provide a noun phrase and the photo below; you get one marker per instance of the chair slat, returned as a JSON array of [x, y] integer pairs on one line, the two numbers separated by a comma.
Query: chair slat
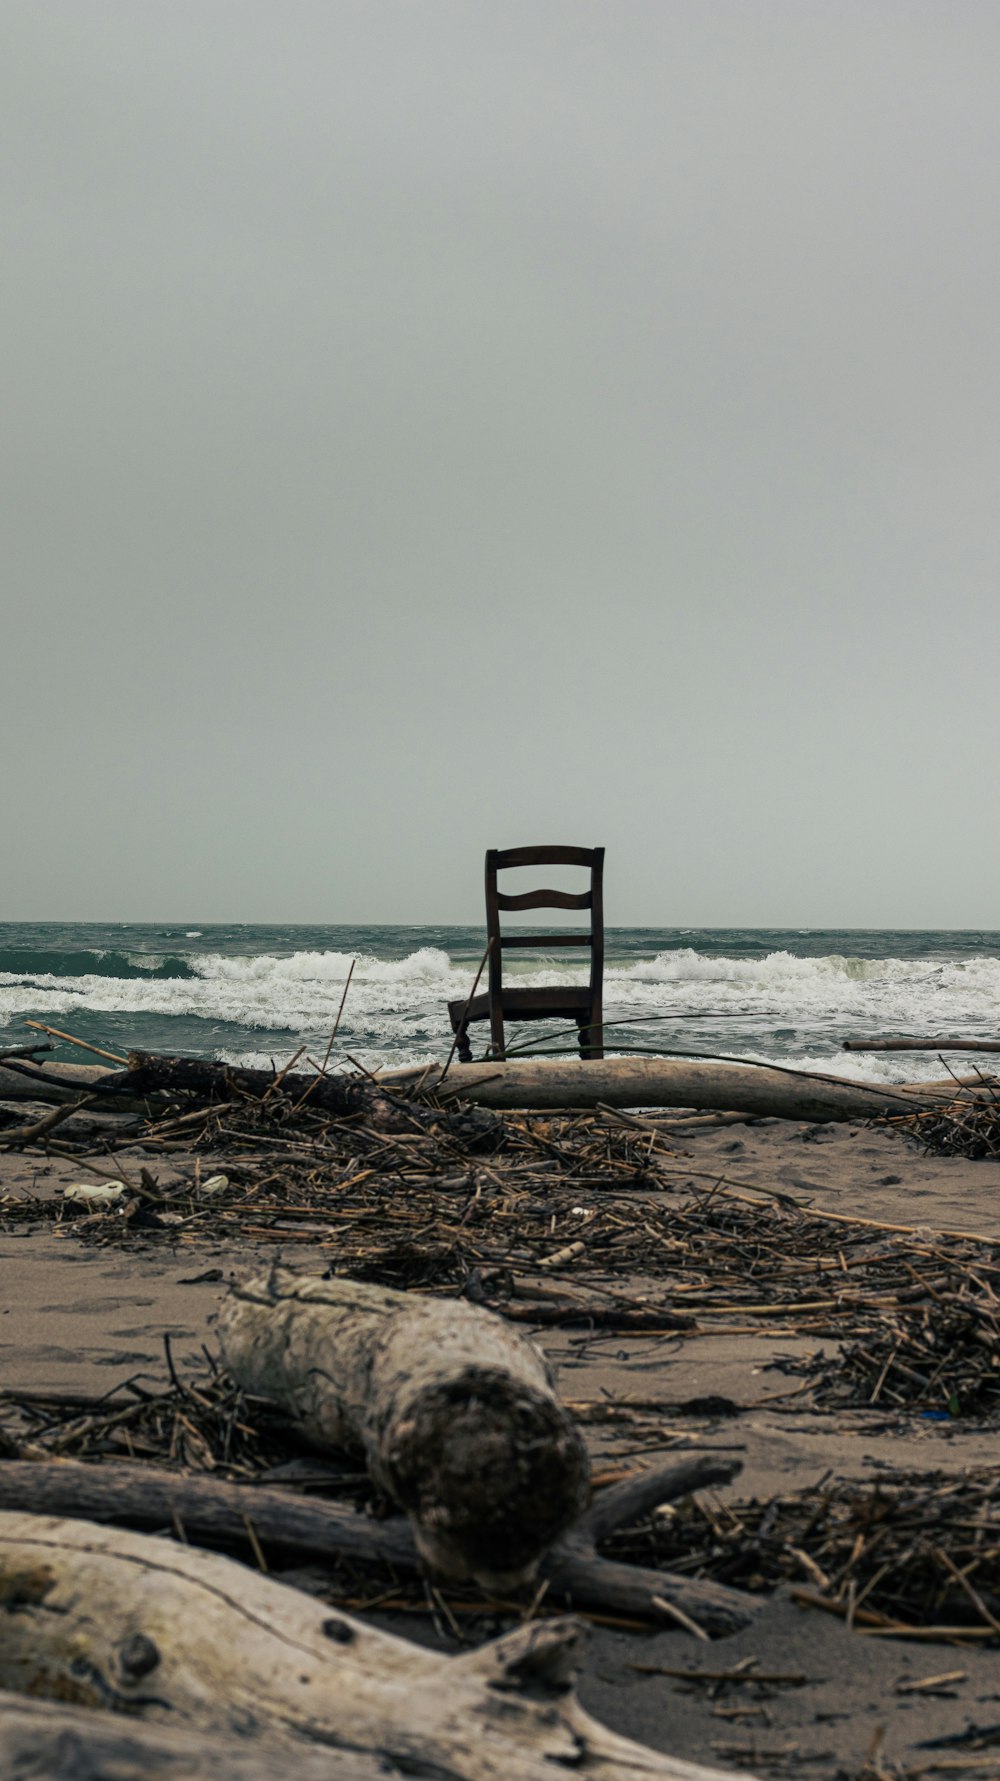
[[544, 899], [546, 940], [544, 856]]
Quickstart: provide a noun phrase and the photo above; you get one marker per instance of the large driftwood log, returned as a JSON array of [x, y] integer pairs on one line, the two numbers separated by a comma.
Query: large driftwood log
[[456, 1413], [100, 1618], [58, 1084], [289, 1526], [43, 1741], [671, 1082], [757, 1090]]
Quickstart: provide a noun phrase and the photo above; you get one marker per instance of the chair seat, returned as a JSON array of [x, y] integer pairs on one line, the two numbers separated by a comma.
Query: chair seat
[[527, 1004]]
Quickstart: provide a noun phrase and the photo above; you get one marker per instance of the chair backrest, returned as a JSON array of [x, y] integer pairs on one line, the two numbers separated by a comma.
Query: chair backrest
[[591, 859]]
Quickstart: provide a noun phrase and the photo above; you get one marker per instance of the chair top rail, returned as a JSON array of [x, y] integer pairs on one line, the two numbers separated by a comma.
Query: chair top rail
[[545, 899], [544, 856]]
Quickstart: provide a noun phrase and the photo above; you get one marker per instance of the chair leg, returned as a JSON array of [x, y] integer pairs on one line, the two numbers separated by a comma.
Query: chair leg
[[463, 1047], [591, 1035], [498, 1045]]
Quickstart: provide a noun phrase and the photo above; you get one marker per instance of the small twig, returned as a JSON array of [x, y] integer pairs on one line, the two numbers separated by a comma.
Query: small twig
[[26, 1134], [282, 1073], [465, 1011], [671, 1610], [255, 1545], [39, 1027], [171, 1369], [340, 1011], [963, 1582]]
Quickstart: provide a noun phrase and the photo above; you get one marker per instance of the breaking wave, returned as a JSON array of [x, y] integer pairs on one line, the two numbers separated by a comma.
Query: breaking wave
[[235, 999]]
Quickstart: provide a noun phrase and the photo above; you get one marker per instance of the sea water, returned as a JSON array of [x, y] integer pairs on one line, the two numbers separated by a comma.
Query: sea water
[[255, 994]]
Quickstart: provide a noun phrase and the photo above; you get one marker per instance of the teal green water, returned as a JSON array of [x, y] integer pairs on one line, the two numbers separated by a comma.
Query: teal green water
[[257, 992]]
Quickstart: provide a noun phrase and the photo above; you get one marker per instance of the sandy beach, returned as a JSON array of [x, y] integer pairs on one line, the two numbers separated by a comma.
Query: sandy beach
[[83, 1318]]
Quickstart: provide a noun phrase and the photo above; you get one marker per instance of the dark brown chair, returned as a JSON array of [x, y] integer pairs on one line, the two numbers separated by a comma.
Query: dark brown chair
[[582, 1004]]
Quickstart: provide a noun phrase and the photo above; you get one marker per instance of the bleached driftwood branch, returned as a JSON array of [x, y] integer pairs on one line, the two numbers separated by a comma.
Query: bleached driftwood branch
[[671, 1082], [756, 1090], [47, 1741], [99, 1618]]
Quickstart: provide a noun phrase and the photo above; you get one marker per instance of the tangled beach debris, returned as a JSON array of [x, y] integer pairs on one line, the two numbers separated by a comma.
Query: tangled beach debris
[[597, 1223]]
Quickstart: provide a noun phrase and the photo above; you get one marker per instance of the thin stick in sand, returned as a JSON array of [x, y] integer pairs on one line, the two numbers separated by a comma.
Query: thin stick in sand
[[72, 1040], [465, 1012], [321, 1068], [336, 1023]]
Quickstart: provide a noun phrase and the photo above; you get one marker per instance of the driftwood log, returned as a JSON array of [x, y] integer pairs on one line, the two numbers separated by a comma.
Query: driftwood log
[[148, 1074], [342, 1096], [761, 1091], [757, 1090], [921, 1045], [43, 1741], [203, 1081], [455, 1412], [60, 1084], [95, 1617], [291, 1528]]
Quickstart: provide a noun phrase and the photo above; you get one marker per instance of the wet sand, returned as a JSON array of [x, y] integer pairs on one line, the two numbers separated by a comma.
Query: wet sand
[[76, 1317]]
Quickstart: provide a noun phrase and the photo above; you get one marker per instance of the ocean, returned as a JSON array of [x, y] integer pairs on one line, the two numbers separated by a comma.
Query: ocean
[[255, 994]]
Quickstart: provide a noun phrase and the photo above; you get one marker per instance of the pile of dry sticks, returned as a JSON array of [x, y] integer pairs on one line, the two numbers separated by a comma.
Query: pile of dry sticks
[[592, 1221]]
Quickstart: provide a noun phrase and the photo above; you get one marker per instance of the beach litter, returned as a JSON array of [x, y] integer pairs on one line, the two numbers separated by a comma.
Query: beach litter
[[95, 1195]]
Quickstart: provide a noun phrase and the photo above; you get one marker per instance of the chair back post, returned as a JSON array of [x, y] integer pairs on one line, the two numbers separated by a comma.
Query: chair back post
[[595, 1035], [497, 1041]]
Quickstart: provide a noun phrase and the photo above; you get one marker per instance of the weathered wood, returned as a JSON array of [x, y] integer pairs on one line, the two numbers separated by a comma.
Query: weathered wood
[[921, 1045], [456, 1413], [43, 1741], [289, 1526], [211, 1511], [342, 1096], [59, 1083], [203, 1081], [544, 1082], [11, 1137], [97, 1617], [672, 1082]]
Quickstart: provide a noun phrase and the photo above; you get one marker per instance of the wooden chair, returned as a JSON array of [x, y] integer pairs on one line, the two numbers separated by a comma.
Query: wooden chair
[[499, 1002]]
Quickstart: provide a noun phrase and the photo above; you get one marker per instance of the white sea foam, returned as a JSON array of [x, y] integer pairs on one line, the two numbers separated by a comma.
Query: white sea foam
[[290, 993], [427, 965], [776, 968], [781, 1008]]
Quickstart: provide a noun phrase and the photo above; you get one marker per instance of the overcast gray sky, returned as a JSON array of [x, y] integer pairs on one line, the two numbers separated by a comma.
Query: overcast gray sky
[[433, 424]]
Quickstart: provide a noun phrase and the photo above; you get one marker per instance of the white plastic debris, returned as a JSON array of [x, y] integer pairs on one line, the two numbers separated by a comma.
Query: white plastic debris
[[214, 1185], [86, 1193], [559, 1256]]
